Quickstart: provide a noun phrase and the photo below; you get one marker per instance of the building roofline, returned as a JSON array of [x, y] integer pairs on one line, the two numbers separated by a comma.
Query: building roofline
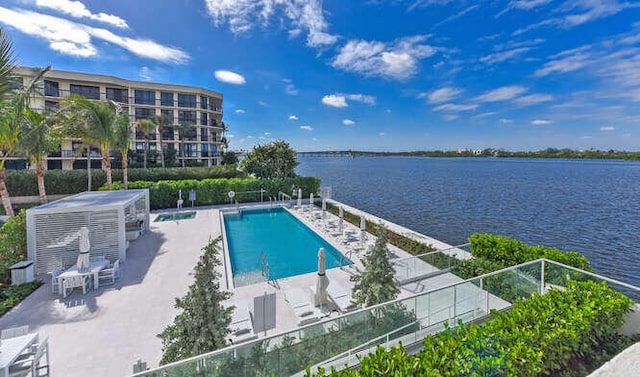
[[113, 80]]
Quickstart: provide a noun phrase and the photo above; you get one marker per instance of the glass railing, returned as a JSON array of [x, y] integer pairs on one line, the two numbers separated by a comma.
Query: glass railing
[[339, 341], [423, 266]]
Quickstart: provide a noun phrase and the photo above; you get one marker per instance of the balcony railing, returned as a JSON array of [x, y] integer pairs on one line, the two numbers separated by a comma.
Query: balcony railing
[[340, 341]]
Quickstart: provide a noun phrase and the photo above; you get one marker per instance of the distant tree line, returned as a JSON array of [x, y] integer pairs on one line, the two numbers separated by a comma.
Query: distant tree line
[[610, 154]]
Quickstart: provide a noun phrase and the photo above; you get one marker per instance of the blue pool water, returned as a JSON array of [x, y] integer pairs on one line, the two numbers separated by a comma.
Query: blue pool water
[[290, 247]]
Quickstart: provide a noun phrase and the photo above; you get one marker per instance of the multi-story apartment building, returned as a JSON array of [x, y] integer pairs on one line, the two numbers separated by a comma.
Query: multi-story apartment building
[[200, 107]]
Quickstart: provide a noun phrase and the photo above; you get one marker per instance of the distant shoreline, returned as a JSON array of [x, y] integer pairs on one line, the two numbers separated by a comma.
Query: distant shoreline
[[591, 154]]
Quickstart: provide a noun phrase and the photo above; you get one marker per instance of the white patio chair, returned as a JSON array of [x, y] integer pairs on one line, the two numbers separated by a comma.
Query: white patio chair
[[68, 284], [30, 363], [12, 332], [54, 279], [109, 275]]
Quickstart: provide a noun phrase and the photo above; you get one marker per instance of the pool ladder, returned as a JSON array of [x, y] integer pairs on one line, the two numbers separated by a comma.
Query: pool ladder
[[266, 271]]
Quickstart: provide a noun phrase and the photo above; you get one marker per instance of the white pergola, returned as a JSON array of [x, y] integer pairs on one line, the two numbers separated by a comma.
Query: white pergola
[[53, 229]]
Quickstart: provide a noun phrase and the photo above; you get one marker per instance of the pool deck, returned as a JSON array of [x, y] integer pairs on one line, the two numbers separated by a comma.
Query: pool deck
[[104, 332]]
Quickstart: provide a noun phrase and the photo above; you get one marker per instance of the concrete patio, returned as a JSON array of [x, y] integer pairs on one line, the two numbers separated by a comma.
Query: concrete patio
[[104, 332]]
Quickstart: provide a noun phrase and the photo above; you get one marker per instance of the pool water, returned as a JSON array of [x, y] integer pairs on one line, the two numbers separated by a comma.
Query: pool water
[[175, 216], [290, 247]]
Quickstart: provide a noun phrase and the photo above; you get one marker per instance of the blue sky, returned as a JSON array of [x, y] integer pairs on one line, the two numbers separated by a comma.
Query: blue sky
[[367, 75]]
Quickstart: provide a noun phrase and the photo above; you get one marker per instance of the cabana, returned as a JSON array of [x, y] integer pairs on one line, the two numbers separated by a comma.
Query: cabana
[[53, 229]]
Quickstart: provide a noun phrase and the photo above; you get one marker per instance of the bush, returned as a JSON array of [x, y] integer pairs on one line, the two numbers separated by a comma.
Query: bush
[[164, 194], [23, 182], [13, 244], [541, 336], [12, 295]]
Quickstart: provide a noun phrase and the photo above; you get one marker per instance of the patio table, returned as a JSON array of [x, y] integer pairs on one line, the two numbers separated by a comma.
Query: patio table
[[11, 348], [94, 269]]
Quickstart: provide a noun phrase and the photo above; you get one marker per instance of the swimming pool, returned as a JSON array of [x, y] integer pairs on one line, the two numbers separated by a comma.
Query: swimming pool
[[290, 247]]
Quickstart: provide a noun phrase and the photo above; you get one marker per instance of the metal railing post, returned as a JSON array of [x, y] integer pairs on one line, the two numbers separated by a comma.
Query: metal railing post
[[542, 278]]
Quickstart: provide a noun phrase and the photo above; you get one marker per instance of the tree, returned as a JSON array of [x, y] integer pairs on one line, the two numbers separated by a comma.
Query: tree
[[203, 324], [375, 284], [14, 98], [274, 160], [121, 142], [185, 129], [146, 126], [37, 140], [93, 122], [229, 158], [162, 121]]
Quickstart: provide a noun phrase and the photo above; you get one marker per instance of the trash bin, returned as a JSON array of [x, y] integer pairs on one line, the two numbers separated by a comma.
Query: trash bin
[[22, 272]]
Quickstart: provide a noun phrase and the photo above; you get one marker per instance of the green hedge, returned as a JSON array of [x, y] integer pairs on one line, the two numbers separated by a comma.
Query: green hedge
[[542, 336], [493, 252], [13, 245], [164, 194], [12, 295], [23, 182]]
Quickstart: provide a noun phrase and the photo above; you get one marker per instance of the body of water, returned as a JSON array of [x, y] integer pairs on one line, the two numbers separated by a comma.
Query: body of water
[[590, 206]]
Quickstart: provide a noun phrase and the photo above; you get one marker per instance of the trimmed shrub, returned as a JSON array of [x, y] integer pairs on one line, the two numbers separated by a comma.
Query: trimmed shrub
[[13, 244], [541, 336], [164, 194], [12, 295], [23, 182]]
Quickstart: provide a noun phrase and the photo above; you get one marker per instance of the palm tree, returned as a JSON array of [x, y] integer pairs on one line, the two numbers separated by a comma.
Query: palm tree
[[146, 126], [161, 121], [185, 129], [36, 141], [223, 140], [14, 98], [93, 122], [121, 143]]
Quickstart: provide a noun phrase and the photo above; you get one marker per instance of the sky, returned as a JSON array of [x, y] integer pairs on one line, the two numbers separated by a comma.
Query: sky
[[367, 75]]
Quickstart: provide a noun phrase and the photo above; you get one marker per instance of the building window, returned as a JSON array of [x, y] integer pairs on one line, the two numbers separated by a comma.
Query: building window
[[51, 105], [145, 97], [204, 134], [142, 113], [140, 147], [167, 114], [90, 92], [166, 99], [187, 116], [51, 88], [190, 150], [204, 102], [186, 100], [204, 148], [118, 95], [203, 119]]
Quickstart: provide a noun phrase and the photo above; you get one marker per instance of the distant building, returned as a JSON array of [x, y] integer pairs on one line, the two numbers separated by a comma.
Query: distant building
[[142, 100]]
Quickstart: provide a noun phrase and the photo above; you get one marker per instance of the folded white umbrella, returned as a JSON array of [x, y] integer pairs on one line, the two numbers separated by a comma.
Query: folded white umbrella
[[84, 246], [299, 197]]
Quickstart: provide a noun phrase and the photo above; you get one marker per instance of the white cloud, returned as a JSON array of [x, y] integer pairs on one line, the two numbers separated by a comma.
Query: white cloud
[[348, 122], [533, 99], [334, 100], [302, 15], [501, 94], [523, 5], [607, 128], [290, 89], [293, 117], [240, 111], [229, 77], [267, 133], [397, 60], [567, 61], [505, 121], [487, 114], [441, 95], [78, 10], [145, 73], [502, 56], [262, 103], [541, 122], [340, 99], [72, 38], [306, 128], [454, 108], [381, 134], [450, 117]]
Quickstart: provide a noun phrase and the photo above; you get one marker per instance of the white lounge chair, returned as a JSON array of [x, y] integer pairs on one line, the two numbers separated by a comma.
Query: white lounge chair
[[341, 297], [241, 326], [303, 308], [30, 363], [54, 279]]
